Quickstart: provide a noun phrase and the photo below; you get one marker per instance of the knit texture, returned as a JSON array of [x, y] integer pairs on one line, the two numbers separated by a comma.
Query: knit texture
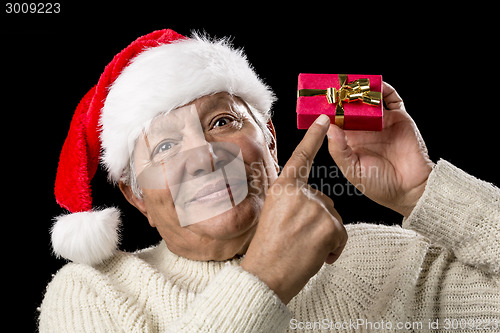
[[442, 269]]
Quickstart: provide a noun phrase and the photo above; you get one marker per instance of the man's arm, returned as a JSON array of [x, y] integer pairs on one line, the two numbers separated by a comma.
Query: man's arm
[[461, 213], [83, 299], [392, 168]]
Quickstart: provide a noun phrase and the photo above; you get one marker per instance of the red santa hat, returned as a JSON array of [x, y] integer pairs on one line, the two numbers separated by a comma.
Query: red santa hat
[[156, 73]]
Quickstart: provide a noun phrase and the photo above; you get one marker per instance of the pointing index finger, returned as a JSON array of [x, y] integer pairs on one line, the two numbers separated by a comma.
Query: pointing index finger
[[299, 164]]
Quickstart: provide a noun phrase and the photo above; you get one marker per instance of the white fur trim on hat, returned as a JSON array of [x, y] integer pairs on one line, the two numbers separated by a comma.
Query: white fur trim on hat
[[165, 77], [86, 237]]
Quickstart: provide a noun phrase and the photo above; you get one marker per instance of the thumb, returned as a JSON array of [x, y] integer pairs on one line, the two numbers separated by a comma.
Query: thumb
[[341, 152]]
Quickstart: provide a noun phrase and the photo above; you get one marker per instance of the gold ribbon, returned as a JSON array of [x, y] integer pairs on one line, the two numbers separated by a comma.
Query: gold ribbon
[[357, 90]]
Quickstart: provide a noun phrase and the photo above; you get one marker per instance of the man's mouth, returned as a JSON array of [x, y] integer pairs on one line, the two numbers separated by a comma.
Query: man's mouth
[[210, 192], [215, 192]]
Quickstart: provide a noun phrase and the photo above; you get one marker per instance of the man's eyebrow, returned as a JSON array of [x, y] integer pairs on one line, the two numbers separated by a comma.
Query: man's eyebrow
[[214, 103]]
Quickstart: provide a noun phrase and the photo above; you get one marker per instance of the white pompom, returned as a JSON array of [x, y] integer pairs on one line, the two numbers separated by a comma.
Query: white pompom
[[86, 237]]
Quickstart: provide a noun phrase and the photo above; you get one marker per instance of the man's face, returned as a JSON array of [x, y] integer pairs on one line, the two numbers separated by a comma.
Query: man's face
[[204, 170]]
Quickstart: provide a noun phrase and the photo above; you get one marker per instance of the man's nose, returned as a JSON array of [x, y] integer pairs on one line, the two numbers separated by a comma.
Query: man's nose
[[209, 157], [199, 161]]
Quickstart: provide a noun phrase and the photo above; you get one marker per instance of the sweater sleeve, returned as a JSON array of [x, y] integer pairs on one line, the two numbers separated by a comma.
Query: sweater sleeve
[[462, 214], [235, 301], [80, 299]]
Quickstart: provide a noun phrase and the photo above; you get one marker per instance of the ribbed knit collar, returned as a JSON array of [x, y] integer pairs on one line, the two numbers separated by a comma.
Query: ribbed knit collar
[[190, 273]]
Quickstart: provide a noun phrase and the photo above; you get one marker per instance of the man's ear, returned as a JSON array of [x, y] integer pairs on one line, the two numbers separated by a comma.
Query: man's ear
[[132, 199], [272, 145], [270, 127]]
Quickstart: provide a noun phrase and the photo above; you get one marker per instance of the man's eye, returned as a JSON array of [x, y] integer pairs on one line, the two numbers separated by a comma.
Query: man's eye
[[222, 122], [162, 147]]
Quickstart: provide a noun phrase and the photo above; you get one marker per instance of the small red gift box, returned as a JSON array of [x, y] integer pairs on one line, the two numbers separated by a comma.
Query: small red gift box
[[352, 101]]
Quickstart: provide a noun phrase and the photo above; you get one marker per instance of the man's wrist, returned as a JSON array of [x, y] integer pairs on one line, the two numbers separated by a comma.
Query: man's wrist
[[271, 283], [412, 197]]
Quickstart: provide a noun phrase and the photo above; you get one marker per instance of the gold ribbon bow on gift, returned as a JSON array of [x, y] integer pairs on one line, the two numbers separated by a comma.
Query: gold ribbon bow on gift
[[357, 90]]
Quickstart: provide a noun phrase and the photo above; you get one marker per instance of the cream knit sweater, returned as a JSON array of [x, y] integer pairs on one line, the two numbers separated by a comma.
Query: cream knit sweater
[[441, 270]]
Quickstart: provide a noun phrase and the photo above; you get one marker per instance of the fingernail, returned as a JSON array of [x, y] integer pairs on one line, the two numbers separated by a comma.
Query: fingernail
[[322, 120]]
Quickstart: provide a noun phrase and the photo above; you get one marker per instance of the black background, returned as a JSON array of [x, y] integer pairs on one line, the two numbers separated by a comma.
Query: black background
[[442, 61]]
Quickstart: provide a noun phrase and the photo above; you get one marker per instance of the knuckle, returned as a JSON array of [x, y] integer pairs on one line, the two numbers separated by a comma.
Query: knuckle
[[327, 223], [346, 237], [332, 231], [328, 202], [301, 156]]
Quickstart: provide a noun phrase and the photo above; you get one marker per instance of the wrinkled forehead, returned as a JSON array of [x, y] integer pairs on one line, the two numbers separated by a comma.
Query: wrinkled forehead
[[211, 102], [186, 116], [175, 122]]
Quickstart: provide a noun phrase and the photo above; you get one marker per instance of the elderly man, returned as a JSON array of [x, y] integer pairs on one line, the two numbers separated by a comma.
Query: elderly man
[[183, 127]]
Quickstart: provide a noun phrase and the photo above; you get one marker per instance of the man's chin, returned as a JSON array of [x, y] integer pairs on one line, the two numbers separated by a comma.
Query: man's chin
[[233, 223]]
